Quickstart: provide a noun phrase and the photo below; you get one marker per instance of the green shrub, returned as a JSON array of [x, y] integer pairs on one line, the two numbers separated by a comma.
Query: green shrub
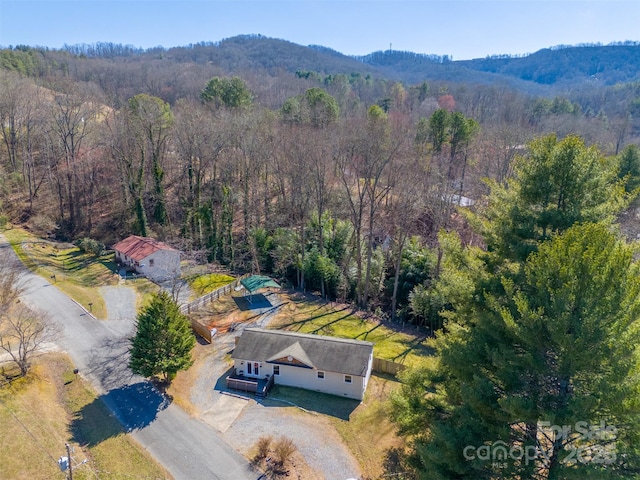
[[91, 246]]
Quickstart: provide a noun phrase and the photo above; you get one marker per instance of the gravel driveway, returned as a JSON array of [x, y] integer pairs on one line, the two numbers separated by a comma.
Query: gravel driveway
[[318, 442], [121, 308], [242, 420]]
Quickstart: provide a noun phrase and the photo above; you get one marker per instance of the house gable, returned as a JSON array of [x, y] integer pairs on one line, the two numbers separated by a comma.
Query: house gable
[[293, 355]]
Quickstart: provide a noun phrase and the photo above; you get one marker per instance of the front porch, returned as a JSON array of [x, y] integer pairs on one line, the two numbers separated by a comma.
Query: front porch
[[259, 386]]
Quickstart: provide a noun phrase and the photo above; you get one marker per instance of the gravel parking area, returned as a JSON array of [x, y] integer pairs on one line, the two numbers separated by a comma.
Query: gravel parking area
[[317, 441], [242, 420]]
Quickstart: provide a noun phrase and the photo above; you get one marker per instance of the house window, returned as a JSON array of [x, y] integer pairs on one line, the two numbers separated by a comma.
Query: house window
[[151, 262], [276, 369], [347, 379], [321, 375]]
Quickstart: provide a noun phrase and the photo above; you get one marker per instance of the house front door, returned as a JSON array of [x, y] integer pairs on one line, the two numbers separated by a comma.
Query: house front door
[[253, 369]]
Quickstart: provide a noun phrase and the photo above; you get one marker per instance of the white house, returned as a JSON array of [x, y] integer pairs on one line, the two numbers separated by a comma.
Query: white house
[[337, 366], [147, 256]]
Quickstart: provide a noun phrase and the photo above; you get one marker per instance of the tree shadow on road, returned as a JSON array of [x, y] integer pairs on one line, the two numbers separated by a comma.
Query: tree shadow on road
[[110, 365], [122, 410]]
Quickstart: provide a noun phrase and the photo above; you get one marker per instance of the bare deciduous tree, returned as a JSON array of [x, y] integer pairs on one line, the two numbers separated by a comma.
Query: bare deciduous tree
[[22, 330], [22, 333]]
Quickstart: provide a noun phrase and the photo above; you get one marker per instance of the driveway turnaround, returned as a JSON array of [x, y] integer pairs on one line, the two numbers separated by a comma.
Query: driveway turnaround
[[186, 447]]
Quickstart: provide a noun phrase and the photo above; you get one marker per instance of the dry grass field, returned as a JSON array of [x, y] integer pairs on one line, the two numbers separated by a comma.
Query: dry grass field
[[50, 407]]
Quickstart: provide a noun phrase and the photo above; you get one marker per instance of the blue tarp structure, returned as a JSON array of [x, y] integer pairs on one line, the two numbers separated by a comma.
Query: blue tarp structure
[[256, 282]]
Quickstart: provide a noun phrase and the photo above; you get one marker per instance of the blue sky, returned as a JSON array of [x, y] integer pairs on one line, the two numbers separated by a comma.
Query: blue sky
[[462, 29]]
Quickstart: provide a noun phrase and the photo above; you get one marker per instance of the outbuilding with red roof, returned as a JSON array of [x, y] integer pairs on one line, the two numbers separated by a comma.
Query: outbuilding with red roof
[[147, 256]]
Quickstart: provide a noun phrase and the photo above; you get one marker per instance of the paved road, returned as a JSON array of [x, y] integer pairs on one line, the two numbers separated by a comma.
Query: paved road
[[187, 448]]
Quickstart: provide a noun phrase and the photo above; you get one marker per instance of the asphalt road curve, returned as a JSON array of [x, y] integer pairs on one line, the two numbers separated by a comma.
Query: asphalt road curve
[[186, 447]]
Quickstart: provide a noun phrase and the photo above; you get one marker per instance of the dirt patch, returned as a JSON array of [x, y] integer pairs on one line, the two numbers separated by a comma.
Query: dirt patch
[[225, 315], [291, 467]]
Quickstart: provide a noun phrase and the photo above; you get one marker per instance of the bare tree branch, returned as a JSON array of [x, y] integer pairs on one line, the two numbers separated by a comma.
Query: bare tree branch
[[22, 333]]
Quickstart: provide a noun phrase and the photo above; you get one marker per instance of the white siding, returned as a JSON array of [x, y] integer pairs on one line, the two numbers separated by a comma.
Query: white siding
[[161, 265], [367, 375], [307, 378]]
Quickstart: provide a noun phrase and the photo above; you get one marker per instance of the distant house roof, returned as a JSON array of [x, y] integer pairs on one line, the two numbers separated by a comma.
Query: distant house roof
[[331, 354], [459, 200], [138, 248], [256, 282]]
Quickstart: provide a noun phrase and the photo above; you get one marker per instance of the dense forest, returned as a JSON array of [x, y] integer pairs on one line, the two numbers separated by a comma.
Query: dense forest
[[324, 170]]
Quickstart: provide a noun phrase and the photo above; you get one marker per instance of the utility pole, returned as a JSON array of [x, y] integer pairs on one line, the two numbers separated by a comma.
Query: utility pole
[[65, 463], [69, 457]]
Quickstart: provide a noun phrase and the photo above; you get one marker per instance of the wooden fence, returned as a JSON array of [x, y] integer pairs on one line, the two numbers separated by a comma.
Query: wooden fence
[[259, 387], [211, 296], [205, 332], [242, 385], [387, 366]]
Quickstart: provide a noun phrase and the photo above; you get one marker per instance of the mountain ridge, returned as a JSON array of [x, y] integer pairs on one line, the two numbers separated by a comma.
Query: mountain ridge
[[547, 70]]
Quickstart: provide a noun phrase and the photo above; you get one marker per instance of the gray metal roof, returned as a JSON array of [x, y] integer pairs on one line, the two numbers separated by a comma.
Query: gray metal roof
[[331, 354]]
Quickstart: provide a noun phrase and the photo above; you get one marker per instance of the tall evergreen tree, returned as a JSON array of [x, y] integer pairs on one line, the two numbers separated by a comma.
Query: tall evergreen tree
[[629, 160], [163, 341], [538, 383], [544, 335], [556, 184]]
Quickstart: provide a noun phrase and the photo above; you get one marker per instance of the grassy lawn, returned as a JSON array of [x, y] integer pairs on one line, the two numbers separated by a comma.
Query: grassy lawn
[[204, 284], [51, 407], [369, 432], [75, 273], [314, 401], [309, 315]]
